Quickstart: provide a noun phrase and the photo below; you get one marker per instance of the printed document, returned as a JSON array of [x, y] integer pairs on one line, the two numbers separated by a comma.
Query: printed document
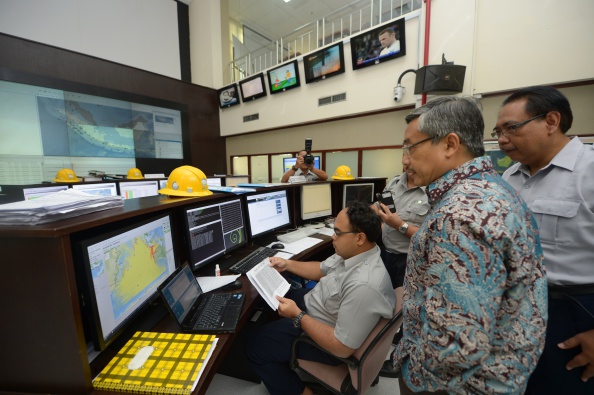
[[268, 282]]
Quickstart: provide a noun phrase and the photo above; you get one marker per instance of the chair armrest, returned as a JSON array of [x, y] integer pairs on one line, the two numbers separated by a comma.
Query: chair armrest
[[352, 362]]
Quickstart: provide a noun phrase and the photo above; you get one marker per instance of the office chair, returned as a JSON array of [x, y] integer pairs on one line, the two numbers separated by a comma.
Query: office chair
[[361, 369]]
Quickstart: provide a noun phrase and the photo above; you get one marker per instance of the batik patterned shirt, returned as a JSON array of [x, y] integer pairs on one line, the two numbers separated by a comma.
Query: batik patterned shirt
[[475, 304]]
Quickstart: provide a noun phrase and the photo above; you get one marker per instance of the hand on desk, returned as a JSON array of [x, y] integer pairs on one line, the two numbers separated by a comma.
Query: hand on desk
[[586, 358], [287, 307]]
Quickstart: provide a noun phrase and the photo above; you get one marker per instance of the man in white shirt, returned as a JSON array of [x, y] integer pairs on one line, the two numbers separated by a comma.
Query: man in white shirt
[[555, 176], [390, 44]]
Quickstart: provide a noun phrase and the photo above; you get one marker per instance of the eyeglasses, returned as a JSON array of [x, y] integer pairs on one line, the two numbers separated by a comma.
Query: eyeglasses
[[510, 129], [340, 232], [406, 148]]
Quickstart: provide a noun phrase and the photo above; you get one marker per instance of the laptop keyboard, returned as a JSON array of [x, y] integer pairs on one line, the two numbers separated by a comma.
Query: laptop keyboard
[[247, 263], [211, 311]]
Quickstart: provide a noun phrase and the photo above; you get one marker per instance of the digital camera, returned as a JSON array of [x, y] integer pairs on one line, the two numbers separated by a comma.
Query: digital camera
[[308, 158]]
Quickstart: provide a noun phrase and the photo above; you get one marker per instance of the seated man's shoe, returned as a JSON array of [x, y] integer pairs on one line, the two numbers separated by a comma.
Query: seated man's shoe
[[388, 370]]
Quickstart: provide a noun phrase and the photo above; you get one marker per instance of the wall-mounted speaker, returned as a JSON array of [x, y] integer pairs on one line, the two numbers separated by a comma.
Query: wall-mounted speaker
[[440, 79]]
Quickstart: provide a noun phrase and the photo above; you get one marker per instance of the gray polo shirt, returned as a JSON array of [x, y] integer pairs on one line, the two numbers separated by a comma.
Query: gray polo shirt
[[352, 296], [310, 176], [411, 205], [561, 196]]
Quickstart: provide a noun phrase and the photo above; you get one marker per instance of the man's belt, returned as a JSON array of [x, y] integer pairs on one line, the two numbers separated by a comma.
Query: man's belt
[[561, 291]]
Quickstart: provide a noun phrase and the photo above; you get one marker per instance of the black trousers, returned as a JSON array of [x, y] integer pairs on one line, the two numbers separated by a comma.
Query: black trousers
[[395, 265], [566, 319], [268, 350]]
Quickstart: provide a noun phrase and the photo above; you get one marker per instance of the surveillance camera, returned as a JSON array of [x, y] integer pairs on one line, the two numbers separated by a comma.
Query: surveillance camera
[[399, 92]]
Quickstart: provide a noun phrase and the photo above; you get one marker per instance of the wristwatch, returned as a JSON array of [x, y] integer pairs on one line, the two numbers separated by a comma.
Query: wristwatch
[[297, 320], [403, 228], [294, 168]]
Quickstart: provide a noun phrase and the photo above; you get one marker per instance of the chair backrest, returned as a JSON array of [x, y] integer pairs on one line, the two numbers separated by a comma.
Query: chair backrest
[[373, 352], [365, 363]]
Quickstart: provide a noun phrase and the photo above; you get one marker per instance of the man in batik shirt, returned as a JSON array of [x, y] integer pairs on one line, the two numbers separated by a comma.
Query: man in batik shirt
[[475, 303]]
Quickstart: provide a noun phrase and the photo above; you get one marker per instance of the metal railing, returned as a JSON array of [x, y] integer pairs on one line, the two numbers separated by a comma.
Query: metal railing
[[336, 26]]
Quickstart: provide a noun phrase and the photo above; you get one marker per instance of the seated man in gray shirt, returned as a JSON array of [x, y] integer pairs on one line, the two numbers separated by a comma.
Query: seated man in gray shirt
[[352, 294]]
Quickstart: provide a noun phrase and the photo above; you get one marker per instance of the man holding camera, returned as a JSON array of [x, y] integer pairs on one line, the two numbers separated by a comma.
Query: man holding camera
[[305, 167]]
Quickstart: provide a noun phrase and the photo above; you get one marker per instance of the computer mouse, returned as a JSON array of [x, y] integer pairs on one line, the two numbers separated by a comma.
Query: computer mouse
[[277, 246], [234, 285]]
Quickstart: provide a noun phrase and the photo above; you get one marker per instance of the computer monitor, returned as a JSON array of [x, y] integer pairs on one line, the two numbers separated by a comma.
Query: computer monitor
[[214, 181], [214, 229], [137, 189], [290, 162], [37, 192], [316, 201], [267, 211], [361, 192], [101, 189], [233, 181], [120, 272]]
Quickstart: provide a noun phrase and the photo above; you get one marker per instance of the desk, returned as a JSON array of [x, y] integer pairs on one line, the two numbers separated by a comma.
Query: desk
[[44, 349], [167, 324]]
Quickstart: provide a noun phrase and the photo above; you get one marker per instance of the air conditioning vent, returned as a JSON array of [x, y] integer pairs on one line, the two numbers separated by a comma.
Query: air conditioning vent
[[322, 101], [339, 97], [253, 117]]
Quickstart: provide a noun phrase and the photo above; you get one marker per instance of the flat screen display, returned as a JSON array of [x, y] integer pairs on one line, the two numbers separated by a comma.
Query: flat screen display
[[283, 77], [267, 212], [124, 269], [316, 201], [228, 96], [252, 88], [380, 44], [325, 63], [213, 230], [37, 192], [101, 189], [360, 192], [137, 189]]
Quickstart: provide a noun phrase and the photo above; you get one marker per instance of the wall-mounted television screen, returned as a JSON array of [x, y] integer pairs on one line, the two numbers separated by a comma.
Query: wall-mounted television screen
[[252, 88], [228, 96], [379, 44], [325, 63], [283, 77]]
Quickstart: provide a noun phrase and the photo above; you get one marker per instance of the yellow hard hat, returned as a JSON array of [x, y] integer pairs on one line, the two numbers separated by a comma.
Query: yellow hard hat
[[343, 173], [186, 181], [135, 174], [66, 175]]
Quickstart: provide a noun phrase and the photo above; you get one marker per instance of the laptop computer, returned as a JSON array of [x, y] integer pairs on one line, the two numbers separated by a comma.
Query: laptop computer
[[198, 312]]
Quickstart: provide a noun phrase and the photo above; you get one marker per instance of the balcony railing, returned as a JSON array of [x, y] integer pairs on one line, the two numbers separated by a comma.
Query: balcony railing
[[344, 22]]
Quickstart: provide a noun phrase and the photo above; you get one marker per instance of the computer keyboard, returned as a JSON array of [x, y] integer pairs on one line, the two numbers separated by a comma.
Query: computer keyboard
[[255, 257], [296, 235]]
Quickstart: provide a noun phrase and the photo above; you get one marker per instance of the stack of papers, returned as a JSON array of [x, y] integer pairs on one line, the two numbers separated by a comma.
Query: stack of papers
[[56, 206]]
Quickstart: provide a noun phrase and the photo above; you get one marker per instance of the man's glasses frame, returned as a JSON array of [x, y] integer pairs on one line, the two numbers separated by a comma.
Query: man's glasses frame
[[511, 129], [406, 148]]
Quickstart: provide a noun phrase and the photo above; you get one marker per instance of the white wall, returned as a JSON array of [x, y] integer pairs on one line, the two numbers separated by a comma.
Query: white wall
[[137, 33], [367, 89], [524, 43], [505, 44]]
